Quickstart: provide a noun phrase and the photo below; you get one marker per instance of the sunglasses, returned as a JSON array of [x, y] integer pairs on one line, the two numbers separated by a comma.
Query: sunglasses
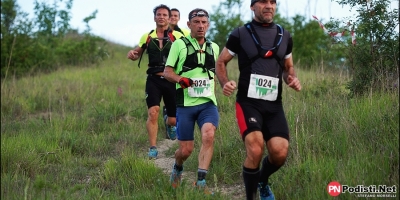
[[199, 14]]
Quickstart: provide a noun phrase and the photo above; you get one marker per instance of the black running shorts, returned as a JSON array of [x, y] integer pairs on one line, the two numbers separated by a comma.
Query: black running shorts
[[158, 87], [260, 115]]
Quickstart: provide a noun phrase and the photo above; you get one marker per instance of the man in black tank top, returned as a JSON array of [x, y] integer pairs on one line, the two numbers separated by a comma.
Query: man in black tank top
[[264, 51], [157, 43]]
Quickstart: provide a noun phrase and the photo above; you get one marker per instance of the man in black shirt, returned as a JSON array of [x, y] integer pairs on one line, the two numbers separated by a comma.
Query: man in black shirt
[[264, 51]]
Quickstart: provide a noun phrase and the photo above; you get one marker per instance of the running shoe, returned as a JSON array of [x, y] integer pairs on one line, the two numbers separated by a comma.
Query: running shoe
[[170, 130], [265, 192], [153, 152], [176, 177], [201, 185]]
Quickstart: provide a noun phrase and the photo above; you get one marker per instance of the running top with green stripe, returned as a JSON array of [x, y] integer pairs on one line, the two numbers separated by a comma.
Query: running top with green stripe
[[197, 63], [185, 32], [157, 57]]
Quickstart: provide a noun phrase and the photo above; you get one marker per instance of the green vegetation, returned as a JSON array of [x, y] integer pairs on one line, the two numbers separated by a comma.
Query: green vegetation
[[80, 133], [73, 112], [373, 62], [46, 42]]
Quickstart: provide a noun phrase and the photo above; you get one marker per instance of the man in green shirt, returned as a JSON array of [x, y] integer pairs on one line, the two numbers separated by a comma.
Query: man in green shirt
[[191, 65]]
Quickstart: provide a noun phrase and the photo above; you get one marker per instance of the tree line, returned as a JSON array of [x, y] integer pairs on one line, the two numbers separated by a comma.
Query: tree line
[[47, 42], [373, 61]]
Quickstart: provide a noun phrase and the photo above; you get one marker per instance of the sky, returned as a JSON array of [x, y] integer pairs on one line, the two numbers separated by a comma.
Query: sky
[[125, 21]]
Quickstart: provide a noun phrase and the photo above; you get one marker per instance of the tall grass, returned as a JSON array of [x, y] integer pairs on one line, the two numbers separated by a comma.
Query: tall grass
[[80, 133]]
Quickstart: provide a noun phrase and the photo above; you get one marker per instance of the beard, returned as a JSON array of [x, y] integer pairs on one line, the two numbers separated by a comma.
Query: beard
[[263, 19]]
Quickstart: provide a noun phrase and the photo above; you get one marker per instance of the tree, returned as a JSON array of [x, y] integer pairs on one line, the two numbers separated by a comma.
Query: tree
[[374, 61], [224, 19], [311, 45], [14, 27], [47, 42]]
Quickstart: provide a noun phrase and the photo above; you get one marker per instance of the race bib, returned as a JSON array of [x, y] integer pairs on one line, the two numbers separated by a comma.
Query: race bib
[[263, 87], [201, 88]]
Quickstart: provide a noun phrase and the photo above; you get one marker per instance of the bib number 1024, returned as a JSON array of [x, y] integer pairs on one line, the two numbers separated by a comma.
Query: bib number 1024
[[201, 88], [263, 87]]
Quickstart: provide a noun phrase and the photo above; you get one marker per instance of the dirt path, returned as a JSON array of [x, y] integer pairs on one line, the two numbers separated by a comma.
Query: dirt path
[[165, 163]]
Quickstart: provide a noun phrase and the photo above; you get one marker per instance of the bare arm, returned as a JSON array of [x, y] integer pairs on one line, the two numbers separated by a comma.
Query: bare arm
[[289, 75], [135, 53], [170, 75], [227, 86]]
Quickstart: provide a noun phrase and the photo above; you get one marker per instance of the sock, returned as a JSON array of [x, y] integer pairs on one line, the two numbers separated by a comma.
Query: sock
[[178, 167], [250, 178], [153, 147], [266, 170], [201, 174]]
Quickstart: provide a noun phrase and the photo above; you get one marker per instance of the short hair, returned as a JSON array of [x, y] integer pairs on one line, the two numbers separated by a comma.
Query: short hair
[[176, 9], [197, 10], [160, 7]]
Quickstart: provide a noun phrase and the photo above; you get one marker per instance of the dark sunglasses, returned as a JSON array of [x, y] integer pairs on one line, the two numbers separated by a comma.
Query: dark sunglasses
[[198, 14]]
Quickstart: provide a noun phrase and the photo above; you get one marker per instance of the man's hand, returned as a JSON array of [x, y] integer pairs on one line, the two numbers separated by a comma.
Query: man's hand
[[185, 82], [294, 82], [133, 55], [228, 88]]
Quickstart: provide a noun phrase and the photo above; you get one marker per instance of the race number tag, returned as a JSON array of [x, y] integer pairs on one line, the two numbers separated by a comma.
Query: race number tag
[[263, 87], [201, 88]]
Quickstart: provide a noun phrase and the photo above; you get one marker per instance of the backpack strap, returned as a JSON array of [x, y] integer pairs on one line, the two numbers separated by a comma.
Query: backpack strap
[[261, 51], [278, 40], [171, 35], [144, 46], [188, 68], [187, 42], [177, 28]]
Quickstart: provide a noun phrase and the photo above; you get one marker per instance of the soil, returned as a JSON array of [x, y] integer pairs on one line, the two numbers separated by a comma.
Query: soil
[[165, 163]]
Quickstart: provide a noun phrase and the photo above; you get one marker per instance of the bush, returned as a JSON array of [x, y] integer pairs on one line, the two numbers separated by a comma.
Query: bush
[[45, 43]]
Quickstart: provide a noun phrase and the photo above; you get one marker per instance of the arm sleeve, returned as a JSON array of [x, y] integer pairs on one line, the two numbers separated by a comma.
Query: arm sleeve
[[216, 50], [289, 47], [143, 39], [233, 43]]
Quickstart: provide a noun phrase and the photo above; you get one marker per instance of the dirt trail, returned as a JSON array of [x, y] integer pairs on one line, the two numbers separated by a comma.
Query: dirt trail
[[165, 163]]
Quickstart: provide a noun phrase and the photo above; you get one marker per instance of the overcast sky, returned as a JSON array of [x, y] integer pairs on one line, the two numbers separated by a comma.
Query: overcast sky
[[125, 21]]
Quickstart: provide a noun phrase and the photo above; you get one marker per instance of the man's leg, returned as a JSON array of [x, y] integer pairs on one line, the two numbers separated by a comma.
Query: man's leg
[[185, 133], [152, 128], [169, 91], [181, 154], [153, 98], [277, 153], [254, 143], [207, 120], [207, 145]]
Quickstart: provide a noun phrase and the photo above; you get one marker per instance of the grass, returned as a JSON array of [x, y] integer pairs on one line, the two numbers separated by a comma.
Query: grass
[[79, 133]]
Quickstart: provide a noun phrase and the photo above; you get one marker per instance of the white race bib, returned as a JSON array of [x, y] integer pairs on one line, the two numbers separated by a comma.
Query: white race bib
[[263, 87], [201, 88]]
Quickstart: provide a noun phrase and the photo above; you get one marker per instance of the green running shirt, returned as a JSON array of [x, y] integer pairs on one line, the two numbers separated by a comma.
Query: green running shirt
[[176, 59]]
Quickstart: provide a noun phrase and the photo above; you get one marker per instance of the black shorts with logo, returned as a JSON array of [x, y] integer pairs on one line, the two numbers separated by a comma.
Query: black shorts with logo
[[158, 87], [261, 115]]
